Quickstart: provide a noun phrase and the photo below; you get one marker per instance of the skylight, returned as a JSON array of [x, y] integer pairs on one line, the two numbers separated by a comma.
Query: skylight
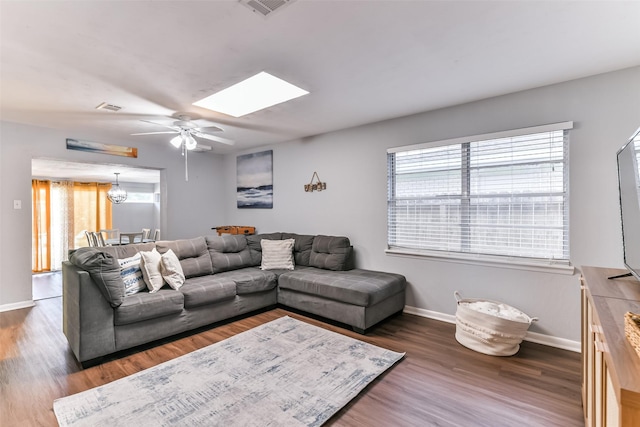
[[255, 93]]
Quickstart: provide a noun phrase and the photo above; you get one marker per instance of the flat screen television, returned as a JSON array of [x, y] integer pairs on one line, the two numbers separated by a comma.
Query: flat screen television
[[629, 187]]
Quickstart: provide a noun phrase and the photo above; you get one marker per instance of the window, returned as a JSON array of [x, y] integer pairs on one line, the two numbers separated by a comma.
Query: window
[[140, 198], [502, 194]]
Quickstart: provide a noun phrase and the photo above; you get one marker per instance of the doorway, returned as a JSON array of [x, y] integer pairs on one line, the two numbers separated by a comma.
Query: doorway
[[76, 202]]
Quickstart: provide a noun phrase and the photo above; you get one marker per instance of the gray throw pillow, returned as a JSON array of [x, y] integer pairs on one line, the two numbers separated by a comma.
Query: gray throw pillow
[[104, 270]]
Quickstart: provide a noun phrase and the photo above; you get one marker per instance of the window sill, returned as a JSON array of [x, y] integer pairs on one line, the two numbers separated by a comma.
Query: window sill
[[486, 260]]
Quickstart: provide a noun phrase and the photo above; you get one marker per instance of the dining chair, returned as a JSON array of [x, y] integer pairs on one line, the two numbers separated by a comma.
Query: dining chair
[[146, 235], [156, 234], [98, 239], [111, 236], [90, 239]]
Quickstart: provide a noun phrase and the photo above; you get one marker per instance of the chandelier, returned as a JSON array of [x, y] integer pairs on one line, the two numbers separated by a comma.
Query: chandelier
[[116, 194]]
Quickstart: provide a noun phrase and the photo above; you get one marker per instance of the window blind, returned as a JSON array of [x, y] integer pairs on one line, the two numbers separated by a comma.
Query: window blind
[[502, 194]]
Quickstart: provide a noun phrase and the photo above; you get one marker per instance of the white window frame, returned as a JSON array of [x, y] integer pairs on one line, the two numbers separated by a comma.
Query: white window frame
[[529, 263], [136, 196]]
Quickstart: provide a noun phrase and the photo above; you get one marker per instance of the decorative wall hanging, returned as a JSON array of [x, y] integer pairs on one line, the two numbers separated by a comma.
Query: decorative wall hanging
[[318, 186], [97, 147], [255, 180]]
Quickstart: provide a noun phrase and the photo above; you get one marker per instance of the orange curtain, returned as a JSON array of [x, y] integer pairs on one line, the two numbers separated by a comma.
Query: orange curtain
[[41, 226], [82, 206], [91, 210]]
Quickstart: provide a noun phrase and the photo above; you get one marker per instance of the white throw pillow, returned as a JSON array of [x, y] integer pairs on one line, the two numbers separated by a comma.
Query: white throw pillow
[[150, 266], [132, 275], [277, 254], [171, 270]]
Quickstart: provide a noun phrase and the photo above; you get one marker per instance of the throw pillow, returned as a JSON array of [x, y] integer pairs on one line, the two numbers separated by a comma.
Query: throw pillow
[[132, 275], [277, 254], [150, 265], [171, 269], [104, 270]]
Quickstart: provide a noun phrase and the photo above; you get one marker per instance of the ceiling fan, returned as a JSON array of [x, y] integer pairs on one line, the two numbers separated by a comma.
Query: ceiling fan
[[187, 129]]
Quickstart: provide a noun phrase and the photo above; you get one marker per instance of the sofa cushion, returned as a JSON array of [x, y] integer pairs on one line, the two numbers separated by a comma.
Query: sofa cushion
[[255, 248], [145, 306], [192, 253], [251, 280], [359, 287], [104, 270], [229, 252], [301, 248], [207, 290], [277, 254], [330, 253]]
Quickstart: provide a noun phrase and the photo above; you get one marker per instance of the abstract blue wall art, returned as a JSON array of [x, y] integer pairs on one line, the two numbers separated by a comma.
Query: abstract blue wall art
[[255, 180]]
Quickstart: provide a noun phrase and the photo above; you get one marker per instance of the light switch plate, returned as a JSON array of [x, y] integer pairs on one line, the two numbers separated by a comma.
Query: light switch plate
[[17, 204]]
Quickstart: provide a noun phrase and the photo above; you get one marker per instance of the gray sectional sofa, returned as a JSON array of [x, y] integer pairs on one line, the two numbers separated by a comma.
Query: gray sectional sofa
[[223, 279]]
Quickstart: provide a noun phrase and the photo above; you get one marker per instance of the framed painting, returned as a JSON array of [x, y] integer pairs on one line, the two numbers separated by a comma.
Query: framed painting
[[255, 180], [97, 147]]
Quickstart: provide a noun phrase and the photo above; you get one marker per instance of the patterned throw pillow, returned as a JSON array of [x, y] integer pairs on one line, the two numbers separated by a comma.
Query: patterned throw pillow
[[150, 265], [277, 254], [171, 270], [132, 275]]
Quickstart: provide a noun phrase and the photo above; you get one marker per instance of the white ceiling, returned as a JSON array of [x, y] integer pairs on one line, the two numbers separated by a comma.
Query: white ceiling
[[363, 61]]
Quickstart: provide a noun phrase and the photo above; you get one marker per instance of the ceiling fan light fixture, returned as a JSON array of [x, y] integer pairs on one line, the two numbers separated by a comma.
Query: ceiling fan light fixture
[[116, 194], [255, 93], [190, 142], [176, 141]]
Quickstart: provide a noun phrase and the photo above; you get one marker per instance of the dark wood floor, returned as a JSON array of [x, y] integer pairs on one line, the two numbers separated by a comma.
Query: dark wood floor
[[438, 383]]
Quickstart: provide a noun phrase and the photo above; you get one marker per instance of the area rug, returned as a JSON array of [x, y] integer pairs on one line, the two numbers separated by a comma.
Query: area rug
[[283, 373]]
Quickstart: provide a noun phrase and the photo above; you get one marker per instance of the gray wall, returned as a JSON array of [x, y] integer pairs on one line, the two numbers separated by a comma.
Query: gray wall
[[605, 110], [136, 216], [189, 208]]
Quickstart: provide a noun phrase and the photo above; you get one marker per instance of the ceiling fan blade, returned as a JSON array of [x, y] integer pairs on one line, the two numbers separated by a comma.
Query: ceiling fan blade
[[201, 124], [213, 138], [175, 128], [202, 147], [209, 129], [156, 133]]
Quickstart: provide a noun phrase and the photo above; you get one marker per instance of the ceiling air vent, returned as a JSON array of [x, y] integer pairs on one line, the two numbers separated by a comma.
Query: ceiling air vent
[[265, 7], [107, 106]]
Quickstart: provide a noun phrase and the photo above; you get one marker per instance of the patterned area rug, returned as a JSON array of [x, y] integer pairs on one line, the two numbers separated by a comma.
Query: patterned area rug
[[283, 373]]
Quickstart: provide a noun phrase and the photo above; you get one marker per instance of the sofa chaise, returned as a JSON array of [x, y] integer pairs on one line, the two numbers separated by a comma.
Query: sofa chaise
[[224, 276]]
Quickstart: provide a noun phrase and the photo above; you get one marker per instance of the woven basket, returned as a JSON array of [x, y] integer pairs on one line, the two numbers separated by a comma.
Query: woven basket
[[632, 330], [486, 333]]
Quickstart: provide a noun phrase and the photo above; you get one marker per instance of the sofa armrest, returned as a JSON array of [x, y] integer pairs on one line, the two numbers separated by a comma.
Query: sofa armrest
[[87, 317]]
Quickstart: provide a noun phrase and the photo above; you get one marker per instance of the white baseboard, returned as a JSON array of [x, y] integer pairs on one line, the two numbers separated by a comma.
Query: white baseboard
[[16, 305], [535, 337]]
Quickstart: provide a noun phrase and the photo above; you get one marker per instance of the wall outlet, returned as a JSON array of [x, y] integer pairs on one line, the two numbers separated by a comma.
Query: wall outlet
[[17, 204]]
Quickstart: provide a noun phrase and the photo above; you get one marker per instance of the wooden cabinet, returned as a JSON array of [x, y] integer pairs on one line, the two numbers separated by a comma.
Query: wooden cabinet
[[611, 367]]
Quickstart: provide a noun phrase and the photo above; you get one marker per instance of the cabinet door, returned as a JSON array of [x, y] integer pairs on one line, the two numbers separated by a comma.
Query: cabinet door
[[611, 407]]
